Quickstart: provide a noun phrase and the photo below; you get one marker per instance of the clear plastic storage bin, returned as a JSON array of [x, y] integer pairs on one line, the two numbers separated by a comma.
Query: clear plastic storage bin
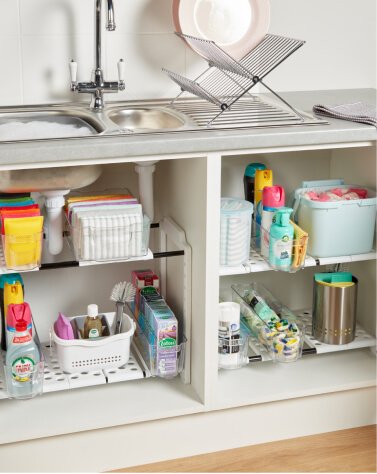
[[233, 353], [110, 242], [293, 249], [22, 252], [283, 337], [165, 362]]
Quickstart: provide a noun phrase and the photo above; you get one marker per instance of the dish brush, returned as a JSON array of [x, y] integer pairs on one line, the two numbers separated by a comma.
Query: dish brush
[[123, 292]]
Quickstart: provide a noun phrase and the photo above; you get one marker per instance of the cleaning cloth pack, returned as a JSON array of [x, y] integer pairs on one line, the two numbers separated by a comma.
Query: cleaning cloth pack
[[106, 227], [159, 328], [21, 228]]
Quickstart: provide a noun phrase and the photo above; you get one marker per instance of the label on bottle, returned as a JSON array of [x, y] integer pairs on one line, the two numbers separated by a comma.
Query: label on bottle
[[282, 250], [229, 335], [21, 339], [93, 333], [22, 369]]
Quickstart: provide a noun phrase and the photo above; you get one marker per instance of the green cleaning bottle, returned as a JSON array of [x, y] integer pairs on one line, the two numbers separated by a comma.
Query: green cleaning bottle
[[281, 240]]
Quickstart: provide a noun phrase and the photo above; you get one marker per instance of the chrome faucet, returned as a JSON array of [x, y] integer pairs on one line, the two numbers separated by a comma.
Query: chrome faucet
[[98, 85]]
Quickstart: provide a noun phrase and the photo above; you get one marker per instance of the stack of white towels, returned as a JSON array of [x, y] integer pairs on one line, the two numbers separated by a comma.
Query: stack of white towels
[[107, 229]]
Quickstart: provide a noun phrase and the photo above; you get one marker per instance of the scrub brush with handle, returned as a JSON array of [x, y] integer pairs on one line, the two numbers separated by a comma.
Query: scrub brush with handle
[[122, 293]]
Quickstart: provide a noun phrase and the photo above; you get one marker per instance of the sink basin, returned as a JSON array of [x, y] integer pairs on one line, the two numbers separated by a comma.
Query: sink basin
[[37, 124], [147, 118], [48, 179]]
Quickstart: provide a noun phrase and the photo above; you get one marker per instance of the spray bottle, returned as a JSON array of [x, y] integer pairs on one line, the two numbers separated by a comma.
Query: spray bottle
[[249, 180], [11, 291], [262, 178], [281, 240], [273, 198]]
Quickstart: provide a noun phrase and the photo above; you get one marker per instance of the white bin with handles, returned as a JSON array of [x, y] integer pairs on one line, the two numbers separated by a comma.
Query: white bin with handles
[[336, 228], [82, 355]]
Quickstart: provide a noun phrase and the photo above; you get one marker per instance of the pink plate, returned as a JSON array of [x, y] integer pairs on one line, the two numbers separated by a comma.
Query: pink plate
[[237, 26]]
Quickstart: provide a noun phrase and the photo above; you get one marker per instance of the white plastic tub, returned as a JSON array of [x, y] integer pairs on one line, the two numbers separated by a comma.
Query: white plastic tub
[[336, 228], [79, 355]]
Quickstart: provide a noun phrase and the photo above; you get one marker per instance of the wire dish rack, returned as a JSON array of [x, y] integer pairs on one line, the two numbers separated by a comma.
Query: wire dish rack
[[227, 83]]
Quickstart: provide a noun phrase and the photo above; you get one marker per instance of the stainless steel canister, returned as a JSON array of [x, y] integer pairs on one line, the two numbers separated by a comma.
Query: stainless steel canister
[[334, 313]]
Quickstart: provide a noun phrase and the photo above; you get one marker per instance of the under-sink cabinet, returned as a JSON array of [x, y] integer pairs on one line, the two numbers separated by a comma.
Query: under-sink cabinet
[[146, 415]]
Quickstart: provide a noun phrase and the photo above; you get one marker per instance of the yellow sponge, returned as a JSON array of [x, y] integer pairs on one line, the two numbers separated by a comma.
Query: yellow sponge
[[299, 247]]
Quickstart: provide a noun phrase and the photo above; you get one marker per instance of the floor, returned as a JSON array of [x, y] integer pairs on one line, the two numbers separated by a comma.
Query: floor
[[351, 450]]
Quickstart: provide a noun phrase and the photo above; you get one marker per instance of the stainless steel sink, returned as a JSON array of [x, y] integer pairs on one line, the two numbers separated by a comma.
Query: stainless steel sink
[[76, 120], [33, 123], [146, 118], [49, 122]]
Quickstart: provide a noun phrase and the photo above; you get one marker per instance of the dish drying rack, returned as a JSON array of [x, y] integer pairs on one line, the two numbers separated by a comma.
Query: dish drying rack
[[227, 81]]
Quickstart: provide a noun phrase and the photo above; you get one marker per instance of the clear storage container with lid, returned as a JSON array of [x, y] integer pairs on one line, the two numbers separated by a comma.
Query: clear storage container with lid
[[235, 231]]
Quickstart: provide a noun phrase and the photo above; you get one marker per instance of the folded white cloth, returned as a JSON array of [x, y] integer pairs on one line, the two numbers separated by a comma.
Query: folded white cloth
[[356, 112]]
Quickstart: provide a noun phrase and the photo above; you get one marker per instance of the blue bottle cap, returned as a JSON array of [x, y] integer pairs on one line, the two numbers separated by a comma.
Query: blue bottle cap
[[252, 167], [10, 278]]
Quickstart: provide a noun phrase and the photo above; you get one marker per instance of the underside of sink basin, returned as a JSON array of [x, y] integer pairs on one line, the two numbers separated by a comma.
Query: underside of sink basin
[[147, 118], [48, 179]]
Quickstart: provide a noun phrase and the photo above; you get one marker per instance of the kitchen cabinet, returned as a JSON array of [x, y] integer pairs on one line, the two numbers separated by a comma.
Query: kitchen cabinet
[[149, 420]]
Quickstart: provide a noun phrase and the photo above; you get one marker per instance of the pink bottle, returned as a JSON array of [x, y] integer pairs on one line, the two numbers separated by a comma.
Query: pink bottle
[[273, 197]]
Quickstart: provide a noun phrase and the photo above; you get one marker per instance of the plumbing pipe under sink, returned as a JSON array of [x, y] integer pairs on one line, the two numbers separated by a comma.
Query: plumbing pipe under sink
[[54, 203], [145, 170]]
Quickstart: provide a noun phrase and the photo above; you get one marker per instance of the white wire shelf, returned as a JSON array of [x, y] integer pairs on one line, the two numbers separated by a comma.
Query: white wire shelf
[[363, 340], [257, 263], [56, 380]]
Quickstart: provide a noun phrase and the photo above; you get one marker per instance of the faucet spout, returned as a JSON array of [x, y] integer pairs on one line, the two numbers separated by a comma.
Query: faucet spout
[[110, 25]]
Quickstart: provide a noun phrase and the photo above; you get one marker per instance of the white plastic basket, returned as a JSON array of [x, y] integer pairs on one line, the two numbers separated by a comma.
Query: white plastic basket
[[79, 355]]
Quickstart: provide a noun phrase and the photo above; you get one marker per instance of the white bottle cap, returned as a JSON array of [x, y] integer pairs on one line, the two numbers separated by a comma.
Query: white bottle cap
[[92, 310], [230, 312]]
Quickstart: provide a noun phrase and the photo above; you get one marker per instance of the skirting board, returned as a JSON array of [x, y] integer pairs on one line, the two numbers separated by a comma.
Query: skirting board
[[148, 442]]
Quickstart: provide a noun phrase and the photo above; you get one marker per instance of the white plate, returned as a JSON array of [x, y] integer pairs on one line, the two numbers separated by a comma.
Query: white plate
[[237, 26]]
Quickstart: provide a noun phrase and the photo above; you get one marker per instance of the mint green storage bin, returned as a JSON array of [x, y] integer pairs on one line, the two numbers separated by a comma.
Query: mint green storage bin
[[336, 228]]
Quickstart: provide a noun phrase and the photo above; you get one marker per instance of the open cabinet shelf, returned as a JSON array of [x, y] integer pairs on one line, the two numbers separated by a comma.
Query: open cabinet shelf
[[119, 404], [311, 375]]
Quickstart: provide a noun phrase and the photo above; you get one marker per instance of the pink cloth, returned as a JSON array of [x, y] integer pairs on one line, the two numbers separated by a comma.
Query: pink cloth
[[337, 194]]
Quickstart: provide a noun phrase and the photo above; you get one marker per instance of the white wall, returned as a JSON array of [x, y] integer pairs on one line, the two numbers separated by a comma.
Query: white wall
[[39, 37]]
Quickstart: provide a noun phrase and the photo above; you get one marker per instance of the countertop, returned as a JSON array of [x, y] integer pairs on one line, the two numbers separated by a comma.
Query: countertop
[[81, 151]]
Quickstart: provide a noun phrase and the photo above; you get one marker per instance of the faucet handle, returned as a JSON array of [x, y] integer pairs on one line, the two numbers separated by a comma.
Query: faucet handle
[[73, 72], [121, 73]]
